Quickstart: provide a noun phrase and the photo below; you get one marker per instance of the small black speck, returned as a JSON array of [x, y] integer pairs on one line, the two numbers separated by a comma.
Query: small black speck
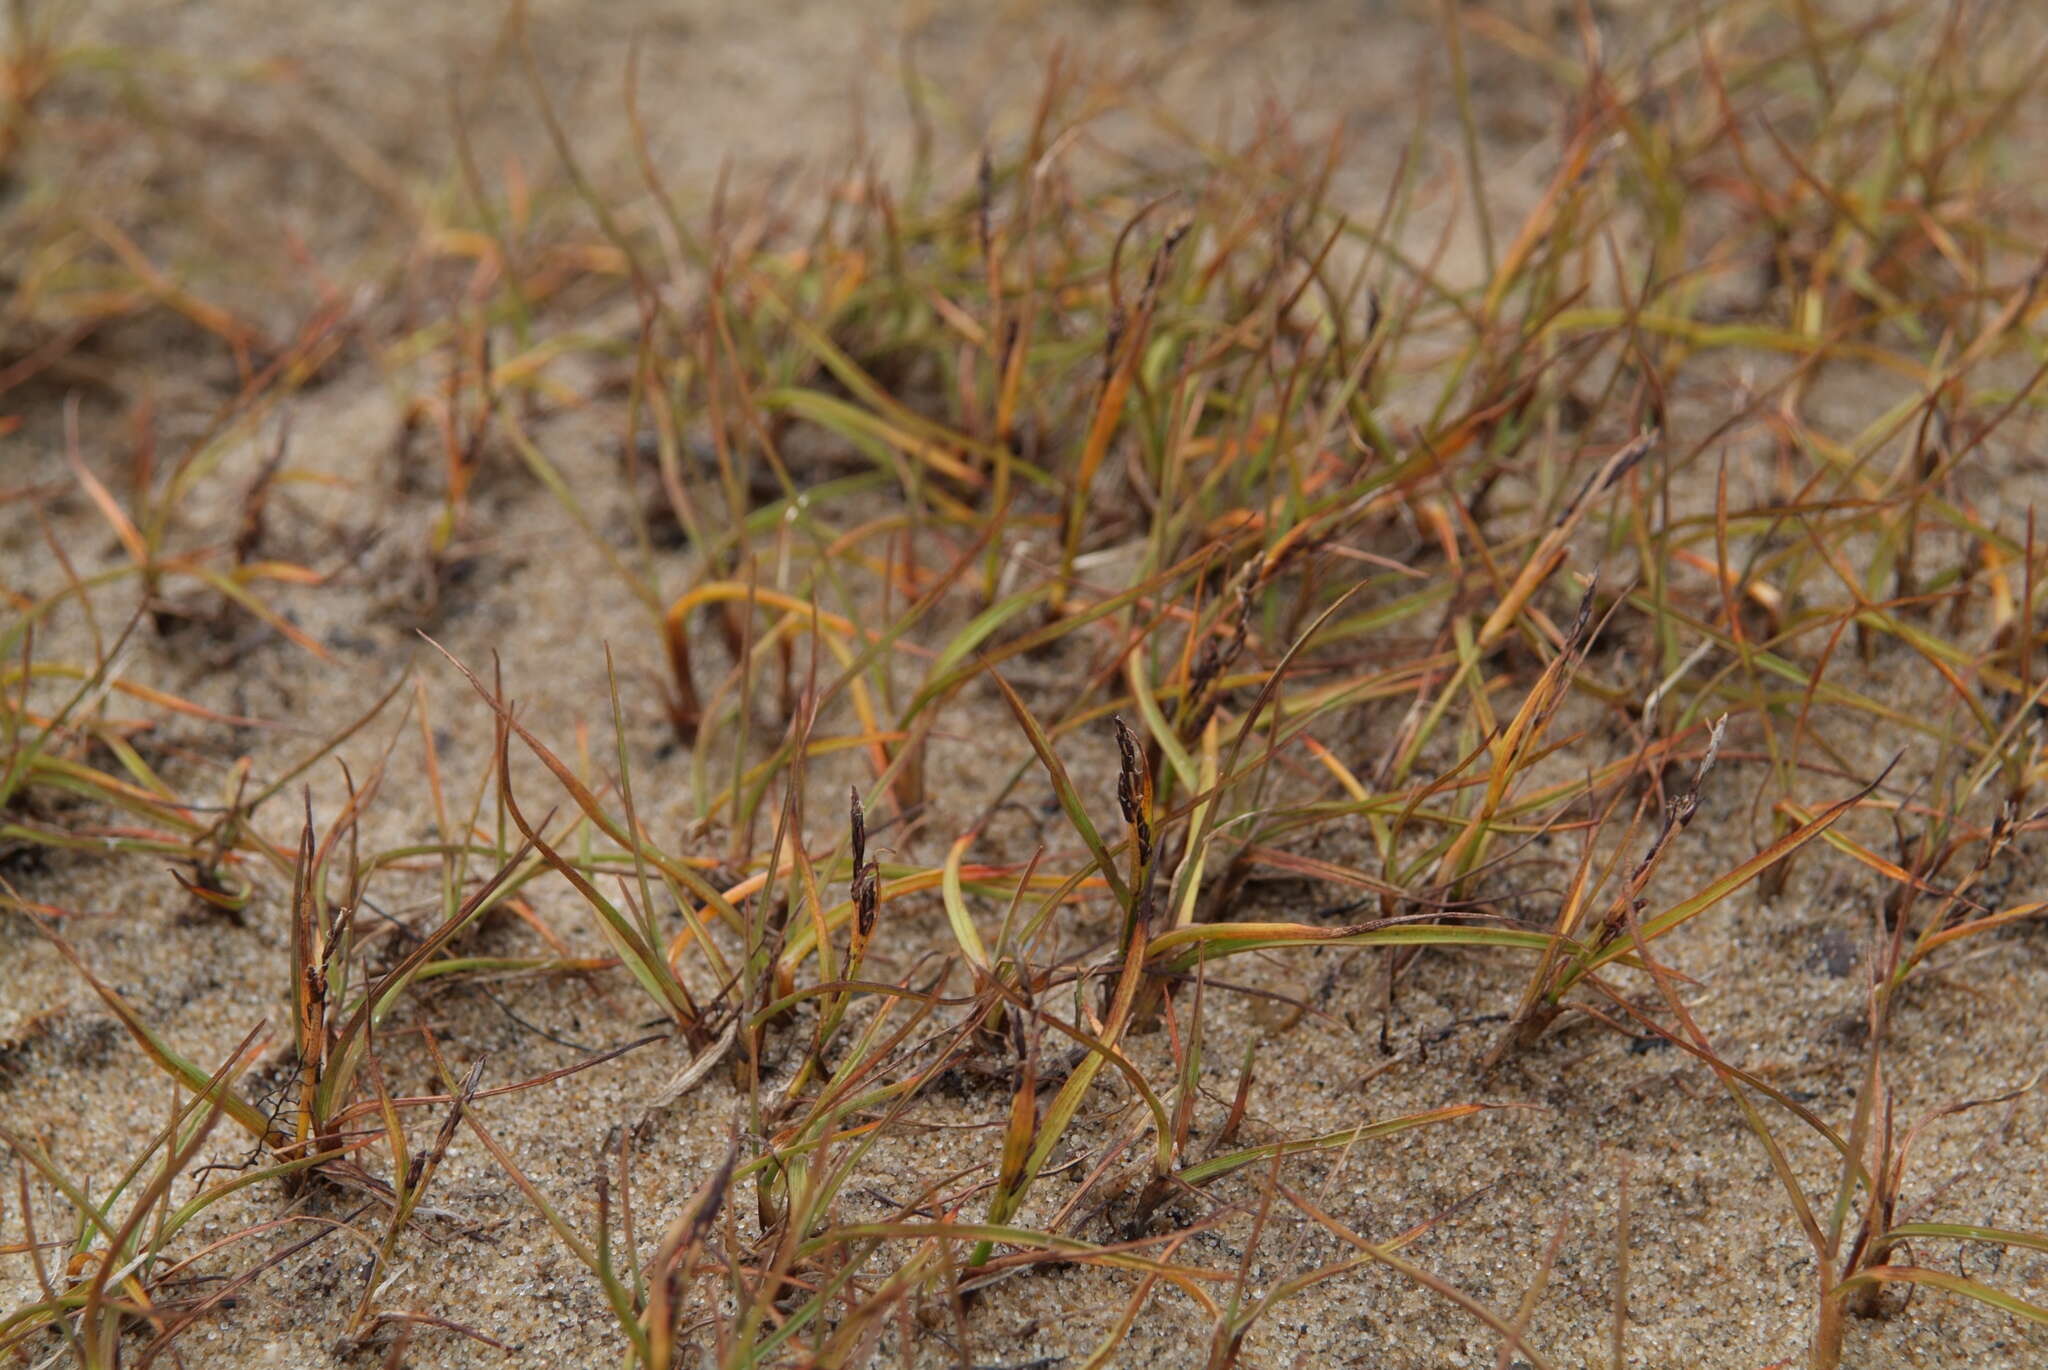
[[359, 643], [1834, 951]]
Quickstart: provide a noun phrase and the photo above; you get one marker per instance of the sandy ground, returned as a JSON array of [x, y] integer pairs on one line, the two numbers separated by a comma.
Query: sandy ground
[[1720, 1275]]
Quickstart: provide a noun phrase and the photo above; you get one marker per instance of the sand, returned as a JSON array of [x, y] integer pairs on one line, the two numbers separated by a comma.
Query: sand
[[312, 126]]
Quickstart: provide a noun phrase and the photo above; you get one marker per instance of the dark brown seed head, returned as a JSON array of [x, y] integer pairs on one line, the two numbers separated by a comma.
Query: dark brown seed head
[[867, 899], [1127, 771], [1131, 789], [858, 820]]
